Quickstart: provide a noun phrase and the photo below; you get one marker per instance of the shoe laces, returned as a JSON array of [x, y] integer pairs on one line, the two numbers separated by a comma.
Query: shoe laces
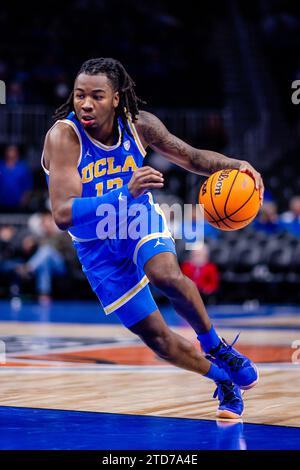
[[226, 353], [234, 341], [226, 390]]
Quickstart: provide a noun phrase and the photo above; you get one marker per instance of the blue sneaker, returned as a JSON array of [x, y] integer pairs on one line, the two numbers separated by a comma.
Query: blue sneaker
[[240, 369], [231, 401]]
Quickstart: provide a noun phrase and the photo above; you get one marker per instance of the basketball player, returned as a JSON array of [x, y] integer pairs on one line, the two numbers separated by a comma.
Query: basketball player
[[93, 156]]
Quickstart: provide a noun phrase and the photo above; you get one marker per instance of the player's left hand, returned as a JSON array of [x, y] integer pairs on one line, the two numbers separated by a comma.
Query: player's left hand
[[245, 167]]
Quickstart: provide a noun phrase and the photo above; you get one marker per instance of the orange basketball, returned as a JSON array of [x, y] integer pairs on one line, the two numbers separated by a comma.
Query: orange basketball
[[230, 199]]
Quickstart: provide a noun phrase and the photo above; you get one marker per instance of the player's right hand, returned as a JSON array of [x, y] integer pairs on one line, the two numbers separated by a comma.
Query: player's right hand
[[143, 179]]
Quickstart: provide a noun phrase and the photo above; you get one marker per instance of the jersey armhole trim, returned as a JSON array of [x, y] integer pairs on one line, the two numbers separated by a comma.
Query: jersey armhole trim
[[70, 123], [136, 135]]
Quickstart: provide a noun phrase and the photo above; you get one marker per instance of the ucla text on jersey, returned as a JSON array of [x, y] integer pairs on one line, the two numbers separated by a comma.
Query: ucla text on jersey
[[103, 168]]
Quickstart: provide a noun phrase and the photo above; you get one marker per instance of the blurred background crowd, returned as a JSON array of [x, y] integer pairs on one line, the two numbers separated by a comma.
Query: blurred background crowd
[[218, 74]]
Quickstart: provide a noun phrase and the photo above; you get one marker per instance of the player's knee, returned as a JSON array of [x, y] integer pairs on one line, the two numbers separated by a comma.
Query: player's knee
[[166, 278]]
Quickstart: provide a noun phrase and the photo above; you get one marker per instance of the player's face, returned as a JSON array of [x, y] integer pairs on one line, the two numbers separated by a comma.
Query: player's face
[[95, 100]]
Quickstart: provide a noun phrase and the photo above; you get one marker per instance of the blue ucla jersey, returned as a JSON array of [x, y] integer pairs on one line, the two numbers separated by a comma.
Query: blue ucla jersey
[[114, 266], [103, 168]]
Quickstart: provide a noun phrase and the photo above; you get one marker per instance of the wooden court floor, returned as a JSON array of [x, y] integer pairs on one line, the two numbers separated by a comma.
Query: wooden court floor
[[105, 368]]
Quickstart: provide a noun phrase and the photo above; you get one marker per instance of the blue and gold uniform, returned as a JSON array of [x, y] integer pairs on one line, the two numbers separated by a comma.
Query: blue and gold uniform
[[114, 266]]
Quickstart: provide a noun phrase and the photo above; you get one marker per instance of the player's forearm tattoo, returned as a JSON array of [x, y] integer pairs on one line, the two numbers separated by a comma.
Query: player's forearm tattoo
[[208, 161], [154, 132], [197, 161]]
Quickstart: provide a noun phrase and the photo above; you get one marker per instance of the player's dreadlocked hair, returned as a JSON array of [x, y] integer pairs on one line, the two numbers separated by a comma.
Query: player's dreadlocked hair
[[121, 82]]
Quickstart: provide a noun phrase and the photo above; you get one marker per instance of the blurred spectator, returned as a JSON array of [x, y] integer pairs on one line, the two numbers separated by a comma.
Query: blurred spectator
[[15, 94], [61, 89], [290, 220], [15, 180], [15, 249], [267, 220], [268, 196], [202, 271], [38, 254], [7, 232], [7, 252], [48, 260]]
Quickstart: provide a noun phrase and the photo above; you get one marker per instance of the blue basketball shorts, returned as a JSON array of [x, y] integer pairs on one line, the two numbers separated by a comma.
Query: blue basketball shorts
[[114, 268]]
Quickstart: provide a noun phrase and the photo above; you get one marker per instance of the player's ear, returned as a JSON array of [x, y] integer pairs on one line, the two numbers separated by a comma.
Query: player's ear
[[116, 99]]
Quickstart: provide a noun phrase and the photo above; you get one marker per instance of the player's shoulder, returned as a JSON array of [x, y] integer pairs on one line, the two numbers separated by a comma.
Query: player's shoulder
[[60, 130], [60, 141], [145, 119], [149, 126], [60, 134]]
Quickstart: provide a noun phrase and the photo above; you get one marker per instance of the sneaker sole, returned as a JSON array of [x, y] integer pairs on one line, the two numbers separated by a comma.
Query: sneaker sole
[[226, 414]]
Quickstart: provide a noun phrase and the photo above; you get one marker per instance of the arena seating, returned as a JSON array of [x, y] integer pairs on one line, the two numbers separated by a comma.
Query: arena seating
[[264, 264]]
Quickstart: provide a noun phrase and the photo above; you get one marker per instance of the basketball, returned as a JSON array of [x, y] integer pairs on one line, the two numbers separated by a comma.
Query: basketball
[[230, 199]]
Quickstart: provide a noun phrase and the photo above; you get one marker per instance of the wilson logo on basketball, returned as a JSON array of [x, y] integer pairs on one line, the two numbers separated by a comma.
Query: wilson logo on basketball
[[203, 189], [230, 199], [219, 183]]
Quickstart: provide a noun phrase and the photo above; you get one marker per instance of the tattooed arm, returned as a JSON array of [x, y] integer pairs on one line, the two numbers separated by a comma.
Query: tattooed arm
[[203, 162]]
